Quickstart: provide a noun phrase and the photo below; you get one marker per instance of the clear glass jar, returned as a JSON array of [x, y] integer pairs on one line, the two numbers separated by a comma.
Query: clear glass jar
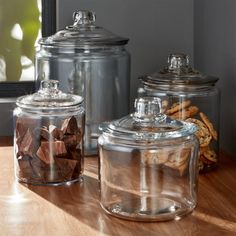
[[188, 95], [148, 165], [91, 62], [48, 138]]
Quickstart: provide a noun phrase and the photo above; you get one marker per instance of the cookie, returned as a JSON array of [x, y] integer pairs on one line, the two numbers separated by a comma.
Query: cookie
[[203, 149], [180, 167], [178, 157], [185, 113], [203, 132], [205, 160], [154, 158], [210, 155], [200, 165], [164, 105], [178, 107], [209, 125]]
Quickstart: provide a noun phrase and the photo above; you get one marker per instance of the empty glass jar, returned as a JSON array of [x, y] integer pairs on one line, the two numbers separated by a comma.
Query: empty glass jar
[[148, 165], [48, 139], [188, 95], [92, 62]]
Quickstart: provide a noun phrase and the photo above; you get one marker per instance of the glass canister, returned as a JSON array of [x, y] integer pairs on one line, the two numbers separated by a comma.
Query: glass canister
[[188, 95], [148, 165], [91, 62], [48, 138]]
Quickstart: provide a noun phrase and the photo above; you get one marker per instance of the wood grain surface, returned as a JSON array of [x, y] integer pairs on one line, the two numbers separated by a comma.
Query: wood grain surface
[[75, 210]]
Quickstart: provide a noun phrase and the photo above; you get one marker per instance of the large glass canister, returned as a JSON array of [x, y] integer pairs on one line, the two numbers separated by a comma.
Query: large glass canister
[[48, 139], [148, 165], [91, 62], [188, 95]]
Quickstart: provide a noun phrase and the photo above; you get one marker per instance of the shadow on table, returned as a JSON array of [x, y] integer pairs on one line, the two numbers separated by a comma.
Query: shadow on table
[[82, 202]]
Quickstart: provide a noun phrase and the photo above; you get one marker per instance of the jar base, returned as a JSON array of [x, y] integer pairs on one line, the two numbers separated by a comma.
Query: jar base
[[150, 209], [69, 182]]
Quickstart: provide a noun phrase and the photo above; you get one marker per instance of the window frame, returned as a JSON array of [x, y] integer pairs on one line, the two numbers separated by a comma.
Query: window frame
[[48, 26]]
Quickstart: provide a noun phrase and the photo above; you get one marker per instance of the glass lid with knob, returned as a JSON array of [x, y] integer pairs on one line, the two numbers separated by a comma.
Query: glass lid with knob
[[49, 97], [83, 33], [147, 123], [178, 72]]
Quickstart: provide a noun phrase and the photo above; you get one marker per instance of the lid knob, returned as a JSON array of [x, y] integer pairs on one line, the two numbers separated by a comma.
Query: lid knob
[[84, 18], [146, 107], [49, 88], [178, 61]]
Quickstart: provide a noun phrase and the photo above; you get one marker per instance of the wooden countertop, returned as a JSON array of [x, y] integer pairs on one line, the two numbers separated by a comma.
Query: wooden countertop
[[75, 210]]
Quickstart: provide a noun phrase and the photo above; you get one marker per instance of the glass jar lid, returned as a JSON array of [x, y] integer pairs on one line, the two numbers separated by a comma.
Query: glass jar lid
[[178, 72], [49, 97], [147, 123], [83, 33]]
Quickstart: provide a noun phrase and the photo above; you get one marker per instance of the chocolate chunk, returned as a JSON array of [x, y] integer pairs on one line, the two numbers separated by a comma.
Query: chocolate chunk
[[39, 167], [76, 154], [23, 124], [67, 167], [55, 132], [26, 171], [48, 150], [21, 127], [69, 126], [77, 171], [70, 141], [44, 133], [27, 146], [59, 148], [45, 153]]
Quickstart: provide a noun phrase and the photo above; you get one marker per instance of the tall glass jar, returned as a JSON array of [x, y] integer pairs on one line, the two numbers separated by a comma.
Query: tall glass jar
[[148, 165], [91, 62], [188, 95], [48, 139]]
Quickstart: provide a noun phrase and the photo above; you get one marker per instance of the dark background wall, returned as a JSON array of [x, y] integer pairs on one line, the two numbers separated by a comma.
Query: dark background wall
[[215, 54]]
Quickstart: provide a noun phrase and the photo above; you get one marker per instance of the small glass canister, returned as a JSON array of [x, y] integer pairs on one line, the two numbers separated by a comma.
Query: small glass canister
[[48, 139], [188, 95], [148, 165]]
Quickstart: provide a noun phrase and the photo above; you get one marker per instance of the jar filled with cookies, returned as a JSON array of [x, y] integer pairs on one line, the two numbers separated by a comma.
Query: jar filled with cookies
[[190, 96], [48, 139]]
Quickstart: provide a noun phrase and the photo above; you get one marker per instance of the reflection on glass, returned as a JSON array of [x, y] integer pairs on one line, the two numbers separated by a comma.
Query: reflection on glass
[[19, 31]]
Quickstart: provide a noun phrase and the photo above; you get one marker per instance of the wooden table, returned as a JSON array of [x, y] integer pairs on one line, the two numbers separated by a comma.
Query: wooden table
[[75, 210]]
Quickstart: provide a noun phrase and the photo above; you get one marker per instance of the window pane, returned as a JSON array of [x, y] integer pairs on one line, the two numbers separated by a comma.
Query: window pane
[[20, 23]]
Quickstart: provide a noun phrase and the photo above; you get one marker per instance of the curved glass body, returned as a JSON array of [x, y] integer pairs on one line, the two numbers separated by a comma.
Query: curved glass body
[[206, 100], [148, 180], [93, 63], [189, 96], [101, 77], [48, 140]]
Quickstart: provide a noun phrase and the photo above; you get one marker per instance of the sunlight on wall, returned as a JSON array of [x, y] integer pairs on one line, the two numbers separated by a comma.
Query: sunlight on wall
[[19, 36], [16, 32]]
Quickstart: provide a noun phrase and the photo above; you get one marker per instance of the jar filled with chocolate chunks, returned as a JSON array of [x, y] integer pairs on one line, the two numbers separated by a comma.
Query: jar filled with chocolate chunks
[[48, 139], [148, 165], [188, 95]]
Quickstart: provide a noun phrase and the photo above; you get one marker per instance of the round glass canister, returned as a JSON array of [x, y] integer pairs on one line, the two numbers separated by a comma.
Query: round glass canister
[[188, 95], [91, 62], [48, 138], [148, 165]]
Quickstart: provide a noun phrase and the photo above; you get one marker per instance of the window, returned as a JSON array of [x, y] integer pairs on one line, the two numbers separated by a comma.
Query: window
[[17, 85], [20, 28]]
